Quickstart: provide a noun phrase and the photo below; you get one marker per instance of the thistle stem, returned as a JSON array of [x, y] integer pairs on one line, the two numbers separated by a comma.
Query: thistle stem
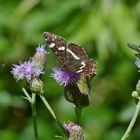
[[132, 122], [32, 101], [26, 94], [78, 114], [53, 114], [48, 106], [33, 107]]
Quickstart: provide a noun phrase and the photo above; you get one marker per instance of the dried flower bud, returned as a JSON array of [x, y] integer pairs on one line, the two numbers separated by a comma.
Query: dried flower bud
[[77, 93]]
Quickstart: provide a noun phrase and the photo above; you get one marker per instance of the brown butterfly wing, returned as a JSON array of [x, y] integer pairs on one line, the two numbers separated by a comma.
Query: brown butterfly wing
[[58, 46], [78, 61]]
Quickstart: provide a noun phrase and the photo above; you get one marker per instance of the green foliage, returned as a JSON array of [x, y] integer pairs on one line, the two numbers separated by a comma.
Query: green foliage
[[103, 28]]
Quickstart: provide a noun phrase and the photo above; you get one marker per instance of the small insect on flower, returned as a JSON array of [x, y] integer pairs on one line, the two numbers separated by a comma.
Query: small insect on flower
[[65, 77], [26, 70]]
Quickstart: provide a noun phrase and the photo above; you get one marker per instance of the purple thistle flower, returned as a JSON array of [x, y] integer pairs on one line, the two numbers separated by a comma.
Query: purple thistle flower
[[75, 131], [40, 56], [26, 70], [71, 126], [65, 77], [138, 63], [40, 50]]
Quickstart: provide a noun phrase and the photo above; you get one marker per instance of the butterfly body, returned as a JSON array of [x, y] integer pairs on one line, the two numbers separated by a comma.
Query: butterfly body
[[72, 57]]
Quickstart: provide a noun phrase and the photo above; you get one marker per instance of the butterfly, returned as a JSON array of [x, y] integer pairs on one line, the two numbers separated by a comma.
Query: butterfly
[[71, 56]]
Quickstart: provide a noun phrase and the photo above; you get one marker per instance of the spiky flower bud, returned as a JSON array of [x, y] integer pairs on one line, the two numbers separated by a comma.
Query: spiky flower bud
[[135, 94], [36, 86], [75, 131], [39, 57]]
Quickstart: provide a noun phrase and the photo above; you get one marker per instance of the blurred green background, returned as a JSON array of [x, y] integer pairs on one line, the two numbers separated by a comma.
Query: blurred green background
[[103, 28]]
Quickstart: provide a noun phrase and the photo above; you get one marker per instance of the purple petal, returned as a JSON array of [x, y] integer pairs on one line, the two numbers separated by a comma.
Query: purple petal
[[138, 63], [26, 70], [65, 77], [40, 50]]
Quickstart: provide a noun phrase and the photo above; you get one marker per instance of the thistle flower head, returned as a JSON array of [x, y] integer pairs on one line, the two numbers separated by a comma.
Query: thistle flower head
[[65, 77], [71, 126], [75, 131], [40, 56], [40, 51], [26, 70]]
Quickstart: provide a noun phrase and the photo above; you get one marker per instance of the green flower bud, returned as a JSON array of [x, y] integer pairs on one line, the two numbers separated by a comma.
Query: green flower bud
[[135, 94], [37, 86]]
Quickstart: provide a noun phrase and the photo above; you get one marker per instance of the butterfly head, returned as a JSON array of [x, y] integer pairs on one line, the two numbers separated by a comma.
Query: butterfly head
[[49, 37]]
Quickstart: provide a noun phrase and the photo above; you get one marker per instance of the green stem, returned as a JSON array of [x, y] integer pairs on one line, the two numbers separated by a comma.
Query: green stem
[[48, 106], [33, 106], [26, 94], [78, 114], [126, 134], [53, 114], [32, 101]]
